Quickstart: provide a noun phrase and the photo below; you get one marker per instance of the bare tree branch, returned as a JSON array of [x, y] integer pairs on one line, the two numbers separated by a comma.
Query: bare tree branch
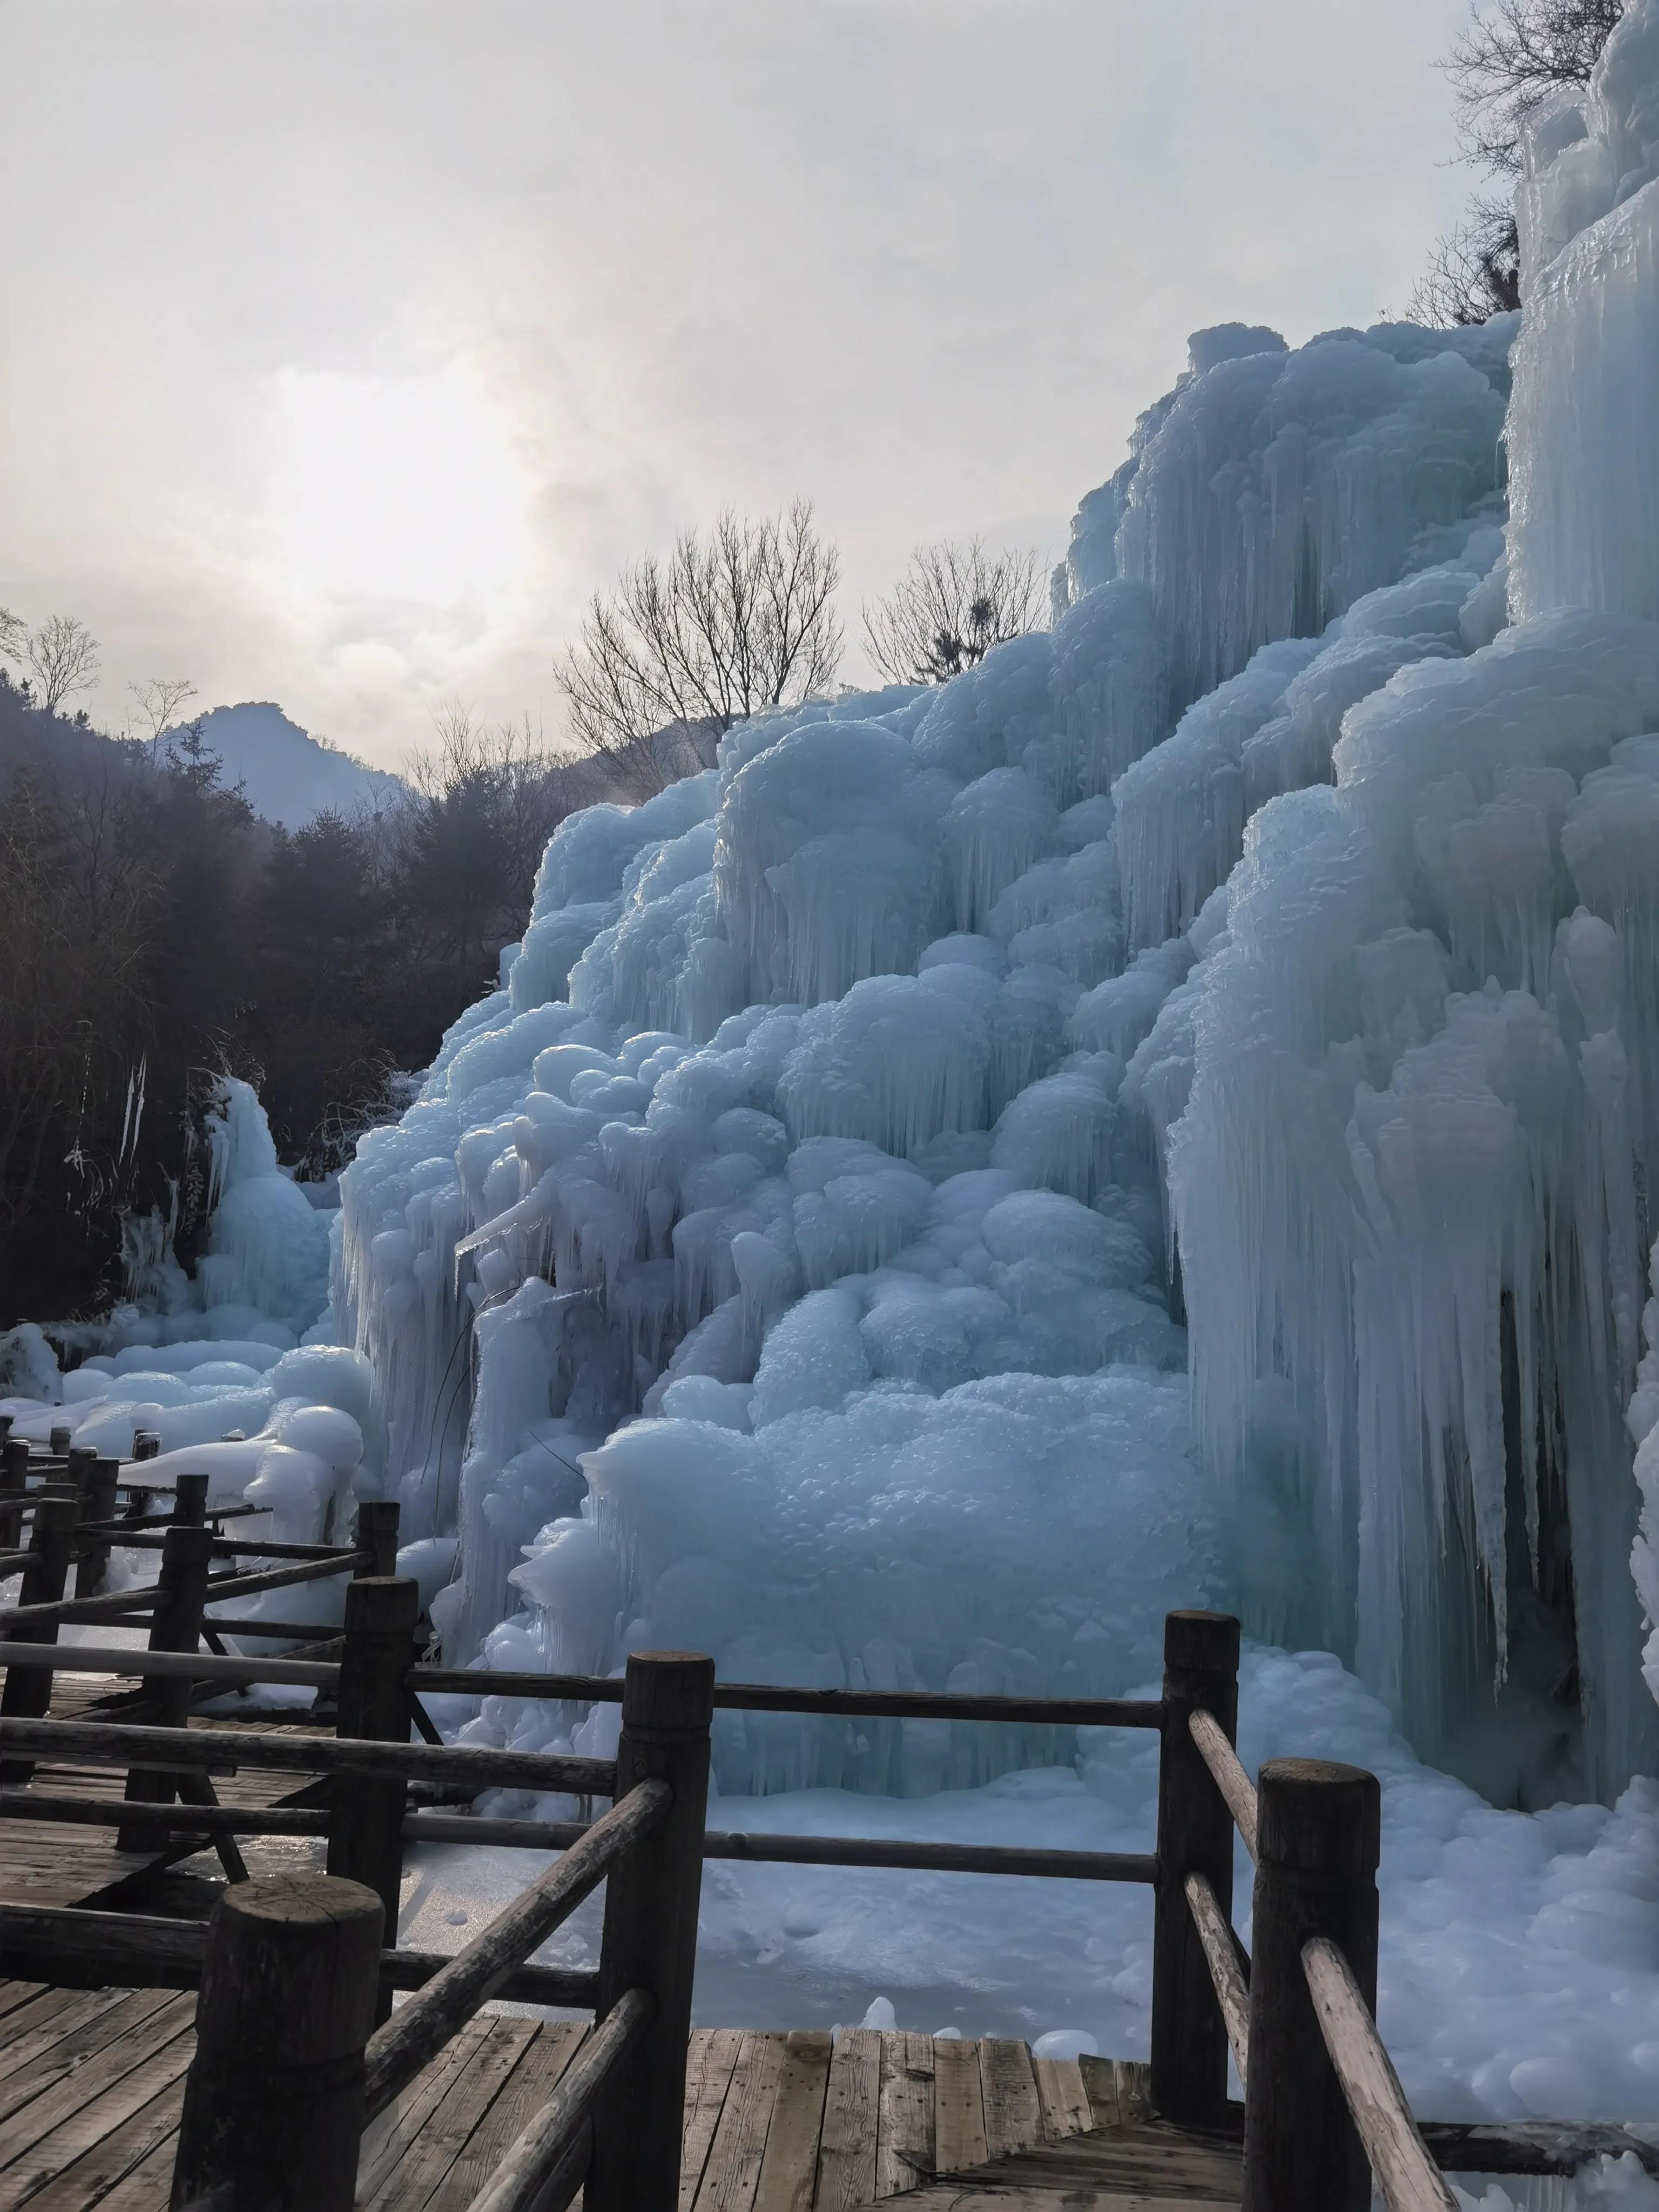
[[1507, 62], [1503, 66], [62, 656], [1473, 272], [683, 648], [158, 701], [951, 606]]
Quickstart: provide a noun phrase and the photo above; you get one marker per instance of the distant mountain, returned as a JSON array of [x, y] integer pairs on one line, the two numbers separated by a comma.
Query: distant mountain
[[289, 777]]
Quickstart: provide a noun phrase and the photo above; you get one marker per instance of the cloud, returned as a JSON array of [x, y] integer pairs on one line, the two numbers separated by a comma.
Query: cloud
[[924, 262]]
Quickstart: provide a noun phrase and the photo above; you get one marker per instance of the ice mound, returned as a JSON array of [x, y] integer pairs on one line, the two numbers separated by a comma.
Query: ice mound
[[218, 1373], [1271, 489]]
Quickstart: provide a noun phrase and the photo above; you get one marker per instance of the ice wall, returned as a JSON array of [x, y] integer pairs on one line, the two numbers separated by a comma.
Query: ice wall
[[1584, 434], [779, 1262], [1406, 1099]]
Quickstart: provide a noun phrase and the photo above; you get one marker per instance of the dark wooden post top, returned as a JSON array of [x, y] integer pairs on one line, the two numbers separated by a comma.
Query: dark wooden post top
[[146, 1444], [59, 1439], [1318, 1829], [1317, 1816], [377, 1533], [190, 1493], [273, 2103]]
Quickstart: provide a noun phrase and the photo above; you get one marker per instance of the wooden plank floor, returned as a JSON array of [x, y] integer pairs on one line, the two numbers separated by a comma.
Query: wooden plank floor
[[52, 1862], [91, 2081]]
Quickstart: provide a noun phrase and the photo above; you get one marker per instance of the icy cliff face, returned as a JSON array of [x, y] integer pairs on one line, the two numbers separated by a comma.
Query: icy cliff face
[[1410, 1185], [779, 1262]]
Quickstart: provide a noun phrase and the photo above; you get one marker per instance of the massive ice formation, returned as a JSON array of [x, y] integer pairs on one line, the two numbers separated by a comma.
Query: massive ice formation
[[782, 1260], [1411, 1182]]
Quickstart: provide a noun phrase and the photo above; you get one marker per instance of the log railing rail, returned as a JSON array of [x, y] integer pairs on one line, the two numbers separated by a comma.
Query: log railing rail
[[289, 2061], [1326, 2117], [1323, 2109]]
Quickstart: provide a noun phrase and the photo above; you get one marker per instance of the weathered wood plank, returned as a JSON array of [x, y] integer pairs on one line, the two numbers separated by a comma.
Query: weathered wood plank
[[146, 2186], [846, 2155], [108, 2094], [547, 2049], [1099, 2077], [387, 2138], [14, 1996], [155, 2125], [33, 2066], [790, 2166], [471, 2091], [733, 2172], [710, 2063], [1013, 2115], [1064, 2100], [48, 2013], [904, 2126], [958, 2107]]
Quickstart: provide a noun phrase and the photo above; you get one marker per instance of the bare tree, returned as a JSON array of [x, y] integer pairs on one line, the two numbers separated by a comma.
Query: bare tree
[[1505, 63], [1473, 272], [13, 632], [683, 648], [1503, 66], [951, 606], [62, 656], [158, 701]]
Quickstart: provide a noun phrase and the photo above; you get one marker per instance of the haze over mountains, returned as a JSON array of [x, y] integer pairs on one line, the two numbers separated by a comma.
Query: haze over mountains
[[287, 775]]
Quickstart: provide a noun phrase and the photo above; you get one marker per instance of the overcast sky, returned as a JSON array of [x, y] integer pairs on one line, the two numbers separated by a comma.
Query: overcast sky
[[347, 346]]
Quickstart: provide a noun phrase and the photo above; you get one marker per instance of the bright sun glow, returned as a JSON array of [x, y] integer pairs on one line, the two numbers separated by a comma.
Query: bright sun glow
[[399, 490]]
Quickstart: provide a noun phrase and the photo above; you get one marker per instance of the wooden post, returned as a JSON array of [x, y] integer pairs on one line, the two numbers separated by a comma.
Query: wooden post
[[365, 1828], [176, 1625], [28, 1694], [1194, 1836], [190, 1500], [377, 1533], [146, 1443], [273, 2103], [1317, 1833], [99, 1477], [14, 1481], [59, 1441], [650, 1939]]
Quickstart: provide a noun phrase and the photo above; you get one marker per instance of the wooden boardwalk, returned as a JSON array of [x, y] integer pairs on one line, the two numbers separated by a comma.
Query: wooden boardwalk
[[91, 2083], [56, 1862]]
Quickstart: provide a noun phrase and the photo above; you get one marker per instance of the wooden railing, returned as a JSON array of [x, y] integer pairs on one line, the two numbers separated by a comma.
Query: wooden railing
[[1322, 2111], [297, 2045], [1325, 2115]]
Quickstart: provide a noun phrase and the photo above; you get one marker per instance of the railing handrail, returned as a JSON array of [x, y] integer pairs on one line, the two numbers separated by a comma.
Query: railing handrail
[[205, 1666], [116, 1743], [116, 1605], [1238, 1790], [416, 2033], [1399, 2159], [161, 1953], [772, 1698]]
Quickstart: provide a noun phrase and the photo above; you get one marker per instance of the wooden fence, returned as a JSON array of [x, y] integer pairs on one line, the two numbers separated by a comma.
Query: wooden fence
[[1322, 2111]]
